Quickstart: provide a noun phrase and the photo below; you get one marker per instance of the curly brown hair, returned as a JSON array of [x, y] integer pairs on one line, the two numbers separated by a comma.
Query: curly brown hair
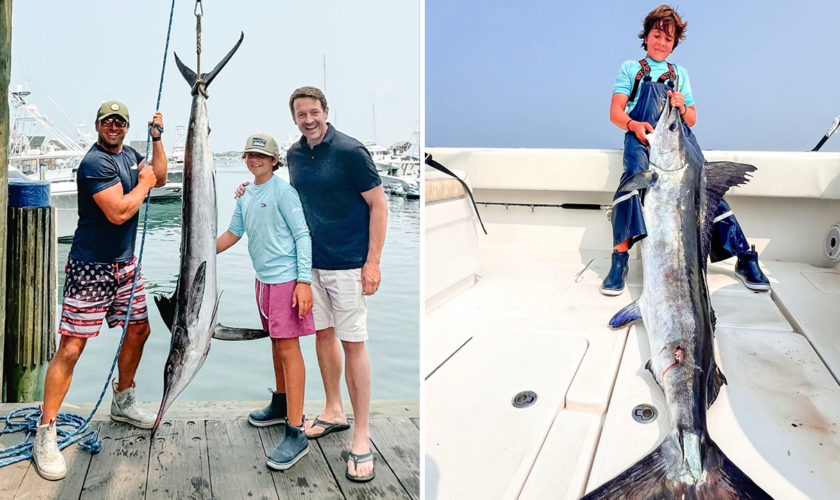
[[310, 92], [664, 18]]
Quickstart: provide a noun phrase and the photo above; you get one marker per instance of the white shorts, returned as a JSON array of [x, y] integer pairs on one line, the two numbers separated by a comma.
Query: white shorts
[[337, 301]]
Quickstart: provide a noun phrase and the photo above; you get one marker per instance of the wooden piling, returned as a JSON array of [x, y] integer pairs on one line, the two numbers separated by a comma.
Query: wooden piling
[[5, 69], [31, 290]]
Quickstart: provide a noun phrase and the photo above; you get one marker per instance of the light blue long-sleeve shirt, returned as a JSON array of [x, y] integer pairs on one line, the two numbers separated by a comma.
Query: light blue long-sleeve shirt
[[278, 237]]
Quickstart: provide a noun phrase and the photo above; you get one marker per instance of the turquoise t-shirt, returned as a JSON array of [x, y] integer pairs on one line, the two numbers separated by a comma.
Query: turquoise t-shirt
[[627, 76], [278, 237]]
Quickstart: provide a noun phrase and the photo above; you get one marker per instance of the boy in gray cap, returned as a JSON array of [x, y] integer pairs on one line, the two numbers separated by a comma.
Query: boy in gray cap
[[281, 252]]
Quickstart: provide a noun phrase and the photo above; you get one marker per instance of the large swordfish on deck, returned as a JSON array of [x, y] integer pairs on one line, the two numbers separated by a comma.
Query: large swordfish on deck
[[191, 312], [681, 195]]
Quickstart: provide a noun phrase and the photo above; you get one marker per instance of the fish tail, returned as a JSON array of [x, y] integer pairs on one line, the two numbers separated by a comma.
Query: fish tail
[[190, 76], [657, 477]]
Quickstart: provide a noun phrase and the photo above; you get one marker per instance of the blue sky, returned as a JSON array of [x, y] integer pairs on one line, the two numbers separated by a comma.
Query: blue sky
[[81, 54], [539, 74]]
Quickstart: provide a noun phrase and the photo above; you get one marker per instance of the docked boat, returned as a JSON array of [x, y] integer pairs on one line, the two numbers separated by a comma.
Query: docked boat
[[530, 395]]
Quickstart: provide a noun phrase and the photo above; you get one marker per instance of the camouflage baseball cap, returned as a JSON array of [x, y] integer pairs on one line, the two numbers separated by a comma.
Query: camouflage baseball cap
[[110, 108], [263, 144]]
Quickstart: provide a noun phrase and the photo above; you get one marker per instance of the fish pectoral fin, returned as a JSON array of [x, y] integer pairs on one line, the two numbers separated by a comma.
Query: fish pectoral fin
[[642, 180], [716, 381], [166, 308], [197, 295], [222, 332], [629, 314]]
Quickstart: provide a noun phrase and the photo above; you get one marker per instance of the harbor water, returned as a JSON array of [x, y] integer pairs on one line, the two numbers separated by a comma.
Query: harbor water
[[242, 371]]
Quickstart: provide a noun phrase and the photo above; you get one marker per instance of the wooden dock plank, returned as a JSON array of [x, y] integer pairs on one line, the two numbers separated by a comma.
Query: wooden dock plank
[[384, 486], [232, 410], [120, 469], [310, 478], [237, 462], [34, 487], [194, 459], [11, 476], [398, 441], [179, 467], [416, 422]]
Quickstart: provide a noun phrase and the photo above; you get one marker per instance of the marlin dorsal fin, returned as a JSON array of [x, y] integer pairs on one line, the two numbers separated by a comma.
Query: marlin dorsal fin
[[717, 177], [166, 307]]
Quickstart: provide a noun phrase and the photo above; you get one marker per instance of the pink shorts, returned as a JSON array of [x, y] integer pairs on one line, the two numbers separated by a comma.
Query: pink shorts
[[278, 316]]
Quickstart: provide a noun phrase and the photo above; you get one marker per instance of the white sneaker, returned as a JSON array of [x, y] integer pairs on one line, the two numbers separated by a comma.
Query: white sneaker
[[124, 408], [49, 462]]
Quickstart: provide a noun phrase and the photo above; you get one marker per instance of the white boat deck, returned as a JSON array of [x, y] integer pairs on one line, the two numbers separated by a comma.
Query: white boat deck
[[536, 321]]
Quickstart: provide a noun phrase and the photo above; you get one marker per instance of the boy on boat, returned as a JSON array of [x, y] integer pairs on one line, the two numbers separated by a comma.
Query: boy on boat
[[642, 89], [280, 247]]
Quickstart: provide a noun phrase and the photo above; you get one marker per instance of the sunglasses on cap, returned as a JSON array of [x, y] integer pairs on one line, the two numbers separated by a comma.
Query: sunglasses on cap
[[119, 122]]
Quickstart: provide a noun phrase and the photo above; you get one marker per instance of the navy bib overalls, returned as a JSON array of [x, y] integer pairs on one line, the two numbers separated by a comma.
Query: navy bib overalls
[[628, 223]]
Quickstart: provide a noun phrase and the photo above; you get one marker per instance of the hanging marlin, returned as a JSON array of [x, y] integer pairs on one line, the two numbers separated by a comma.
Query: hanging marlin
[[681, 194], [191, 312]]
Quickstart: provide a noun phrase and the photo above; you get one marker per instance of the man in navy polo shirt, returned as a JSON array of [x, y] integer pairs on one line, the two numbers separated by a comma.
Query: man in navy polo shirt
[[345, 207], [347, 213], [112, 181]]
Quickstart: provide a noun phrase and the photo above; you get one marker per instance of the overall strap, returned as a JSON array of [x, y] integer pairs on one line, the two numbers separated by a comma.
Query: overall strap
[[671, 76], [644, 72]]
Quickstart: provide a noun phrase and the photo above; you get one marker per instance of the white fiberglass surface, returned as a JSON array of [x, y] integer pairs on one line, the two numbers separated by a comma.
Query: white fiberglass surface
[[777, 419], [562, 467], [811, 298], [781, 398], [478, 445]]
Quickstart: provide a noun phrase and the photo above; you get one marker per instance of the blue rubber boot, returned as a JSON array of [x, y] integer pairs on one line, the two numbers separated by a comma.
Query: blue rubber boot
[[292, 448], [747, 270], [613, 284], [273, 414]]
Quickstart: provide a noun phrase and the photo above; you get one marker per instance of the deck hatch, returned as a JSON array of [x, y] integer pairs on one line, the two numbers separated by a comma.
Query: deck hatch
[[524, 399], [644, 414]]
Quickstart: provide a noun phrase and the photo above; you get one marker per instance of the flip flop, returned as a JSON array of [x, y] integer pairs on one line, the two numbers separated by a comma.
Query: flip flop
[[328, 428], [357, 459]]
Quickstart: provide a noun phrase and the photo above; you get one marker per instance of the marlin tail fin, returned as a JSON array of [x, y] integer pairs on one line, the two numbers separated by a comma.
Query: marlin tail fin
[[190, 76], [661, 476]]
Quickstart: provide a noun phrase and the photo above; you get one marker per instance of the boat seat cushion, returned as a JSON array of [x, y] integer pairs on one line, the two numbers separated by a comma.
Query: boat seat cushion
[[443, 189]]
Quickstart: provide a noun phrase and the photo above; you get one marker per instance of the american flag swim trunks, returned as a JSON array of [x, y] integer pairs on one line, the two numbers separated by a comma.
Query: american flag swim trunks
[[95, 291]]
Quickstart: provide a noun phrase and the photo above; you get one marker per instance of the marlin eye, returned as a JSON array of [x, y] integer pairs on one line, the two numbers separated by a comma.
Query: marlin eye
[[673, 127]]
